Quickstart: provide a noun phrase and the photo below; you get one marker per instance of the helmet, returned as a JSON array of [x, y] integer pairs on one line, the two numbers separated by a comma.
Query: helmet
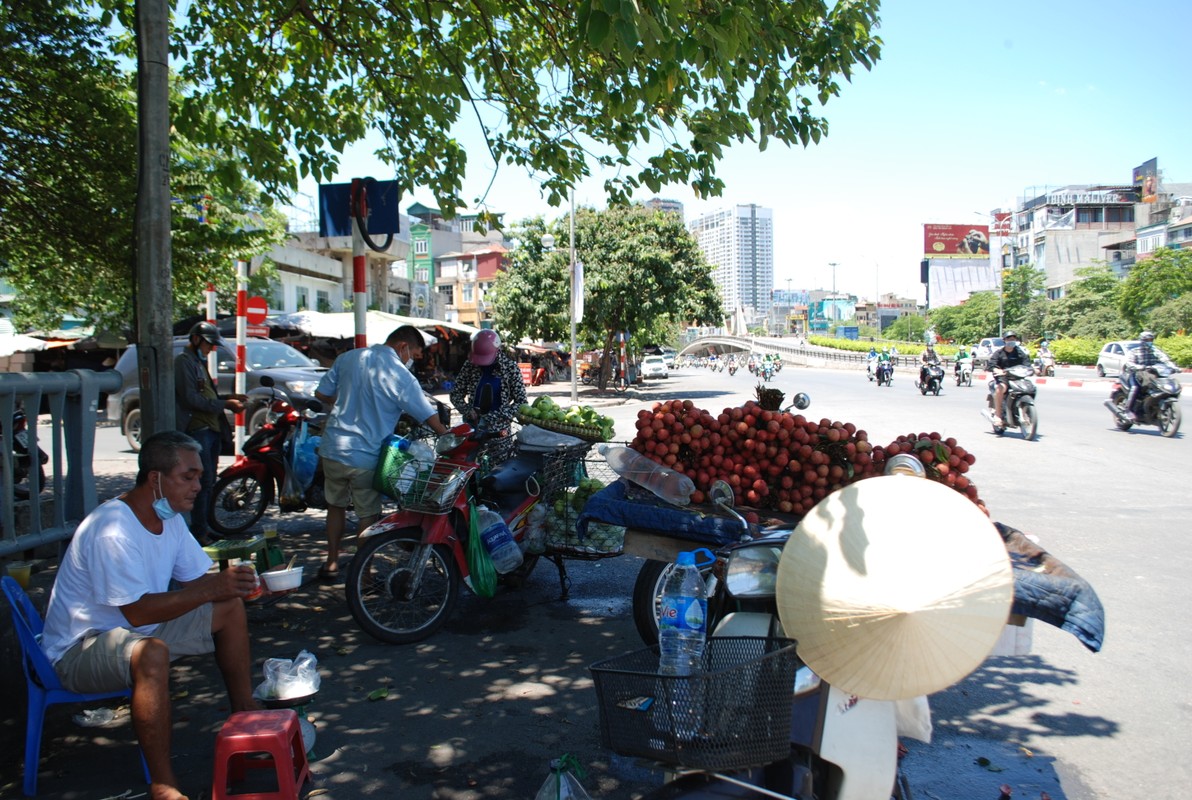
[[1146, 336], [485, 345], [1009, 335], [207, 332], [885, 349]]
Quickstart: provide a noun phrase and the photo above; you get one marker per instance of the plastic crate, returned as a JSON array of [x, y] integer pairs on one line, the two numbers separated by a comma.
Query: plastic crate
[[732, 714]]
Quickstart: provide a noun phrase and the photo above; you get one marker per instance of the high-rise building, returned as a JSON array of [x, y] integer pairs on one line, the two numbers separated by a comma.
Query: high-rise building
[[665, 204], [739, 244]]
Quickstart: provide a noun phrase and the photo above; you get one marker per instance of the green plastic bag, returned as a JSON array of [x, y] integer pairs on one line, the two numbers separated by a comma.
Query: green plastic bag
[[480, 564]]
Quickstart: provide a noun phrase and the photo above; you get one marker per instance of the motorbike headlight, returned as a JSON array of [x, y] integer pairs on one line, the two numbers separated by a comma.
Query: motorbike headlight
[[448, 442], [805, 681], [752, 571], [304, 388], [904, 464]]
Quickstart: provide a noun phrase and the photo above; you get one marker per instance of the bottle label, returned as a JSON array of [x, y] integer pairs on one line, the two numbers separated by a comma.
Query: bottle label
[[683, 613]]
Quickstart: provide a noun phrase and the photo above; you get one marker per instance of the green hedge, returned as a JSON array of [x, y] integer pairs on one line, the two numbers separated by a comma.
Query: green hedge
[[1079, 352]]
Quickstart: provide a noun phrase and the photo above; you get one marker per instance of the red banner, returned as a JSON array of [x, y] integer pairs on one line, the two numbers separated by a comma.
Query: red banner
[[955, 241]]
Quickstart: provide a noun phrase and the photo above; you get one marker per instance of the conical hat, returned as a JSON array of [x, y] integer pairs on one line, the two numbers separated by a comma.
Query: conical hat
[[894, 587]]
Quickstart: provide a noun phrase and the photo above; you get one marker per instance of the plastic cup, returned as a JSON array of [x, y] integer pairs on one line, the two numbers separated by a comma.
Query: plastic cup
[[21, 572], [270, 530], [259, 589]]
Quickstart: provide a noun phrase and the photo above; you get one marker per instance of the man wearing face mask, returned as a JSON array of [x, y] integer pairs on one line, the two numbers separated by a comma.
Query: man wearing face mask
[[1011, 355], [369, 389], [115, 622]]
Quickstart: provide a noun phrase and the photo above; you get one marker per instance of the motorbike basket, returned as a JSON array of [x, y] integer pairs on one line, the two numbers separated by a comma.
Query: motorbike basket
[[734, 713], [426, 488]]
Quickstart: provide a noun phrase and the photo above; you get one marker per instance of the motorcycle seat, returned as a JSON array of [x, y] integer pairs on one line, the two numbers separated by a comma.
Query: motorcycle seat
[[512, 475]]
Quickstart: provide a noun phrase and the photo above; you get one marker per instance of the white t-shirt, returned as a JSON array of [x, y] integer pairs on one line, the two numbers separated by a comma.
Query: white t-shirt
[[113, 560]]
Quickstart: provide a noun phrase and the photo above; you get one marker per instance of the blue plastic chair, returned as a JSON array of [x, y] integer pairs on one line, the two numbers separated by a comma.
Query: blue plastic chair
[[44, 687]]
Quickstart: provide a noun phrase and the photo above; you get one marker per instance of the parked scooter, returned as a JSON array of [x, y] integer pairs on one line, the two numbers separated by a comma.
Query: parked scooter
[[931, 379], [1018, 406], [22, 461], [963, 372], [266, 470], [1159, 404], [828, 755]]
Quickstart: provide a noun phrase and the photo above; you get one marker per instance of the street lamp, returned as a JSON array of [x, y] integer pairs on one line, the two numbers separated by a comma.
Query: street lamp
[[1001, 284]]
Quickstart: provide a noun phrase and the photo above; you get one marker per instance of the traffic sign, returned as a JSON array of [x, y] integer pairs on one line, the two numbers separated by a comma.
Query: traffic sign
[[256, 310]]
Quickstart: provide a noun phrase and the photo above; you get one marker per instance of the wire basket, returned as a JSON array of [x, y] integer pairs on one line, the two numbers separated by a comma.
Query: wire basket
[[569, 479], [423, 487], [732, 714]]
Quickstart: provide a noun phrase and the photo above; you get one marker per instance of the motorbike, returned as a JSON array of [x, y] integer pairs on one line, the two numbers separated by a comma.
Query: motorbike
[[586, 375], [1159, 404], [869, 368], [963, 373], [1019, 404], [266, 469], [885, 373], [732, 369], [22, 460], [830, 755], [766, 371], [1045, 365], [933, 379]]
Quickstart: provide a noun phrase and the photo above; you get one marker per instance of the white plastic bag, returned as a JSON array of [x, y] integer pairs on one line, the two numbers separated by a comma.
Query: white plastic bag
[[913, 718], [286, 679]]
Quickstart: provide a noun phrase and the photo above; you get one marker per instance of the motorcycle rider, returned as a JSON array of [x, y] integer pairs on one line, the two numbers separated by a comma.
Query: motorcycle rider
[[1135, 374], [961, 355], [1011, 355], [928, 357]]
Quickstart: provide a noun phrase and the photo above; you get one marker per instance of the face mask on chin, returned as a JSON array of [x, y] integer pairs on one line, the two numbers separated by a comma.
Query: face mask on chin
[[161, 506]]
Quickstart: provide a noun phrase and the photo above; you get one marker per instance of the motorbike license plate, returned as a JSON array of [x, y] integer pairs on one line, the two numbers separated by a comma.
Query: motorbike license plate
[[22, 438]]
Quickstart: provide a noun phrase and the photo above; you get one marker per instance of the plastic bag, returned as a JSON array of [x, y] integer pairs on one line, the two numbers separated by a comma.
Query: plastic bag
[[534, 438], [291, 493], [305, 457], [481, 572], [913, 718], [286, 679], [562, 784]]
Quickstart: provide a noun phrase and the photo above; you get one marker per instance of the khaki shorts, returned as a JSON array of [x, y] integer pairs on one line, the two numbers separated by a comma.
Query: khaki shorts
[[102, 662], [345, 486]]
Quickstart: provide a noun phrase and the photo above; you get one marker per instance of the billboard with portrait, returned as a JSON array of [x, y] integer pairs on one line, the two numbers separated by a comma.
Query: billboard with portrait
[[955, 241], [1146, 180]]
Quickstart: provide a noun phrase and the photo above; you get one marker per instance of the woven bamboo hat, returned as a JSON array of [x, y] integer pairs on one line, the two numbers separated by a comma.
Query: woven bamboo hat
[[894, 587]]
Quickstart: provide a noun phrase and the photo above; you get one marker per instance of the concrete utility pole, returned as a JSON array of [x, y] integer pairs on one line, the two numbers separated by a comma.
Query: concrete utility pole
[[154, 285]]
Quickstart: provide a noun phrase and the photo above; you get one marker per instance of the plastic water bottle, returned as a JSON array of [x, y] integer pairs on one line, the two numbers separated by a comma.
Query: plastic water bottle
[[683, 620], [673, 487], [498, 540], [420, 451]]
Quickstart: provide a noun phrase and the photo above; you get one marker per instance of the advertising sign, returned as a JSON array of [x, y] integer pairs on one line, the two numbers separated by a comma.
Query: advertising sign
[[955, 241], [1146, 180]]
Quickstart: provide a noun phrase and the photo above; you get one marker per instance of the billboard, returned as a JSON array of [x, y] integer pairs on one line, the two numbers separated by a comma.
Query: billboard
[[952, 280], [1146, 180], [955, 241]]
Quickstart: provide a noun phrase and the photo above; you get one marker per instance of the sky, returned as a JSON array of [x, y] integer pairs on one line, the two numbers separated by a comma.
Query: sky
[[972, 107]]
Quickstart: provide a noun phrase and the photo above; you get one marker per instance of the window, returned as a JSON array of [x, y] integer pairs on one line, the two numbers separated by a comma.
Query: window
[[301, 298], [1120, 214], [422, 247], [467, 295], [1089, 214], [422, 275], [322, 302]]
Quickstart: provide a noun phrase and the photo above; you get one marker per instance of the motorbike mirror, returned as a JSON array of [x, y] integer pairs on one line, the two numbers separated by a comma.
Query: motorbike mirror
[[721, 494], [314, 408], [802, 401], [267, 381]]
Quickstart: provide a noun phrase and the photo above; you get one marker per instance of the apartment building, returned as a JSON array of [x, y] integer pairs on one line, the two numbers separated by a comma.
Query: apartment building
[[738, 242]]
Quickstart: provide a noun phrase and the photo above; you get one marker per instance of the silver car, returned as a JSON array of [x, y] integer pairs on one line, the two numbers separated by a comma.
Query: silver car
[[984, 350], [1113, 356]]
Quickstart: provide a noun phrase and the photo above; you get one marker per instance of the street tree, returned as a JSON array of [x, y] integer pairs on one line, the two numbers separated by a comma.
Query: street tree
[[68, 181], [1089, 307], [1166, 275], [1173, 317], [969, 322], [908, 328], [643, 273], [1021, 286], [650, 93]]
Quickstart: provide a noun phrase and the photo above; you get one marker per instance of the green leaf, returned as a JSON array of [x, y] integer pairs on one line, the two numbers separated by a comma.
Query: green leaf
[[378, 694]]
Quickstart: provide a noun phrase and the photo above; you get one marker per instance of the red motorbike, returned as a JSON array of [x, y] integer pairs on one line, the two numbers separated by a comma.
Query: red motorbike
[[404, 581], [267, 469]]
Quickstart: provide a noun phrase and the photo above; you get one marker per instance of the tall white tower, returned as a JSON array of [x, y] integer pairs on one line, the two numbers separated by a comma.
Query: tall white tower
[[739, 244]]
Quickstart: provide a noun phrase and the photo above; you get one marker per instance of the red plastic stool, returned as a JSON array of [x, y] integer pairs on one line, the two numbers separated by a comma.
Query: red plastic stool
[[275, 733]]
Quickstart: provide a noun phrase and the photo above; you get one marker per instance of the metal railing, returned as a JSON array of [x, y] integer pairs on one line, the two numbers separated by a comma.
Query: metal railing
[[51, 512]]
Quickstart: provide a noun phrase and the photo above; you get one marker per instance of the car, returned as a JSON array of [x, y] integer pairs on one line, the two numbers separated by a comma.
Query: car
[[985, 348], [1113, 355], [669, 355], [654, 367], [294, 375]]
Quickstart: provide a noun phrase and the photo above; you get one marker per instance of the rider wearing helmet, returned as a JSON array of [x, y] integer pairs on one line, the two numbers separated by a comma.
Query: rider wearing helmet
[[1135, 373], [1011, 355], [885, 354], [489, 387], [961, 355], [199, 413], [928, 357]]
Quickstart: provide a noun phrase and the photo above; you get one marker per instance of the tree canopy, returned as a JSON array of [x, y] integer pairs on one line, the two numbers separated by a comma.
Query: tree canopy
[[68, 180], [650, 91], [1089, 307], [643, 273], [1152, 282]]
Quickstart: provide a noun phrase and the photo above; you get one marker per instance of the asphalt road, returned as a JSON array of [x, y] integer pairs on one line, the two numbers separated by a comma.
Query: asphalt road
[[476, 711]]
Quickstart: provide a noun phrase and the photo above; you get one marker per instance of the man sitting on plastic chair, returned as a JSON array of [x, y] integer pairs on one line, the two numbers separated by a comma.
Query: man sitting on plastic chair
[[115, 622]]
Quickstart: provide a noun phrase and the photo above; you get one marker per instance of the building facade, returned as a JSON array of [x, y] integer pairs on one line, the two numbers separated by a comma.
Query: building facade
[[738, 242]]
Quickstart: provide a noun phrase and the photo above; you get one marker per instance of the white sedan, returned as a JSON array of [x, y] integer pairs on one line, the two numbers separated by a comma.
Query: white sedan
[[654, 367]]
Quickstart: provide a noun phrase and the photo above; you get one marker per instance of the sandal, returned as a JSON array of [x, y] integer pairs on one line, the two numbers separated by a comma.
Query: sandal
[[328, 575]]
